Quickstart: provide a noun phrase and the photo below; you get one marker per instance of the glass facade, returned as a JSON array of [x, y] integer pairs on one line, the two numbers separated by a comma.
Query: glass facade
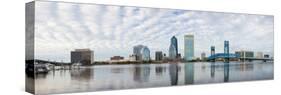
[[172, 52], [142, 53], [188, 47], [173, 49], [245, 54], [174, 42], [145, 54]]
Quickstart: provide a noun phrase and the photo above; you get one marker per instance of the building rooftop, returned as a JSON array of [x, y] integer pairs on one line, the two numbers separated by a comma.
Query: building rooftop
[[83, 49]]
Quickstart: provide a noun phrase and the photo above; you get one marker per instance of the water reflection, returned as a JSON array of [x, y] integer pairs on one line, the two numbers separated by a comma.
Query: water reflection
[[117, 70], [173, 71], [85, 74], [109, 77], [141, 73], [245, 67], [40, 76], [213, 69], [189, 73], [226, 71], [160, 70]]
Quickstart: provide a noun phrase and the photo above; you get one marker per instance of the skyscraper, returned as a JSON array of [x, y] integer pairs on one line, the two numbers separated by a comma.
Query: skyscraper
[[145, 54], [188, 47], [142, 53], [173, 49], [137, 51], [172, 52]]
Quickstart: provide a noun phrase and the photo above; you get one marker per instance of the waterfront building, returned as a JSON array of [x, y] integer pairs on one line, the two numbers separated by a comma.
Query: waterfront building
[[137, 51], [173, 50], [266, 56], [83, 56], [245, 54], [158, 55], [259, 55], [132, 57], [179, 56], [145, 54], [142, 53], [203, 56], [117, 58], [188, 47]]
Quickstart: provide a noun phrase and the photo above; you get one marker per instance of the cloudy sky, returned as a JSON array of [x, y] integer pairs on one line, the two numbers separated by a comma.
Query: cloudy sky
[[114, 30]]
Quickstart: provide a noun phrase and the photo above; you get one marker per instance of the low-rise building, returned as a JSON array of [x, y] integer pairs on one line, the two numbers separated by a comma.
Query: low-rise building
[[83, 56], [117, 58], [158, 55], [245, 54]]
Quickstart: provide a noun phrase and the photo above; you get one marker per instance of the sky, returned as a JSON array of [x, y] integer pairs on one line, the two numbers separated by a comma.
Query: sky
[[114, 30]]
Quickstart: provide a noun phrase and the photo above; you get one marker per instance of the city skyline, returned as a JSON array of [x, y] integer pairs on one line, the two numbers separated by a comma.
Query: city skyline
[[114, 30]]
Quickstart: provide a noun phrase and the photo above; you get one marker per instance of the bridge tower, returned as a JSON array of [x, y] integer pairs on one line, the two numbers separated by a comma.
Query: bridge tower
[[226, 50], [213, 51]]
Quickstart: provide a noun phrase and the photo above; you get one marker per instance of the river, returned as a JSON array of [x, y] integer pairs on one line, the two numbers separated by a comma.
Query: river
[[111, 77]]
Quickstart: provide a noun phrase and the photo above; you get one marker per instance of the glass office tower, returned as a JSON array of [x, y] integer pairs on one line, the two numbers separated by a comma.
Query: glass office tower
[[141, 52], [145, 54], [173, 50], [188, 47]]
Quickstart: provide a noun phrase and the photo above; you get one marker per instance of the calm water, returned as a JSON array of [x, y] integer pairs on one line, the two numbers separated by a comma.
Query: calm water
[[109, 77]]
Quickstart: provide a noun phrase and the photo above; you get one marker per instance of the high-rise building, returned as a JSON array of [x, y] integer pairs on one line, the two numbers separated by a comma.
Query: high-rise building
[[188, 47], [173, 50], [142, 53], [137, 52], [83, 56], [158, 55], [145, 54]]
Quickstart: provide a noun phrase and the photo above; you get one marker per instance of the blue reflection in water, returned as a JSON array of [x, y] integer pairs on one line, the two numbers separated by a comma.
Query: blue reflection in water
[[189, 73], [226, 71]]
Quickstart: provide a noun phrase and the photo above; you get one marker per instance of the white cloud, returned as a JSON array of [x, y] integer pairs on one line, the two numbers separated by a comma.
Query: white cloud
[[114, 30]]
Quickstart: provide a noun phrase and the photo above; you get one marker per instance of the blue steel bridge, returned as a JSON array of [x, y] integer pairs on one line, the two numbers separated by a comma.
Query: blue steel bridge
[[223, 55], [235, 56]]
